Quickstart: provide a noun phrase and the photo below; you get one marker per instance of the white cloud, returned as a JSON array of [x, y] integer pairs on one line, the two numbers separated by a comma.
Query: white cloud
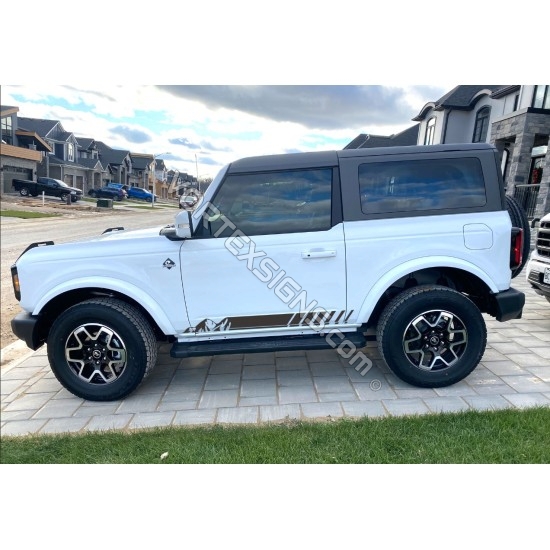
[[225, 127]]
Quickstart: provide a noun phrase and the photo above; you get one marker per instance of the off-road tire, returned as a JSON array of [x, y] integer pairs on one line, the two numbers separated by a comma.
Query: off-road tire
[[518, 217], [127, 333], [396, 335]]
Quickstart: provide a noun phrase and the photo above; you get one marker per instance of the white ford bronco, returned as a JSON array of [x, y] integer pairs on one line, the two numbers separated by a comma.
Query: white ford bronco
[[285, 252]]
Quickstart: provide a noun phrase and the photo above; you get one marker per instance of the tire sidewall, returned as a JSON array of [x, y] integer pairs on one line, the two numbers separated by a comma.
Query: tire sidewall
[[442, 300], [136, 355]]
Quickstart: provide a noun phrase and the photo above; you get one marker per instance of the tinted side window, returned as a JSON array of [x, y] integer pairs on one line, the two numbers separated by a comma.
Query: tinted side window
[[435, 184], [277, 202]]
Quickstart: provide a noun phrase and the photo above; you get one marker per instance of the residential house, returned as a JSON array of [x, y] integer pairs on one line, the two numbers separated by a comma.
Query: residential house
[[142, 169], [178, 182], [118, 164], [62, 162], [516, 119], [21, 151], [88, 155], [366, 141], [160, 183]]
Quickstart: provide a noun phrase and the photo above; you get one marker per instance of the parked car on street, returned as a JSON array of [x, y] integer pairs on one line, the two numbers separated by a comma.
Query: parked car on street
[[141, 194], [108, 193], [538, 267], [188, 201], [134, 192], [48, 186]]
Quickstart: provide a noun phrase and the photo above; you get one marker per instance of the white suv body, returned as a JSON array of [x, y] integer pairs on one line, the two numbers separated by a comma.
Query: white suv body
[[298, 251]]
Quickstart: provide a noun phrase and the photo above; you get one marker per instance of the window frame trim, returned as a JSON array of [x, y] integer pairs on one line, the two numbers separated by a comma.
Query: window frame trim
[[336, 209], [478, 119]]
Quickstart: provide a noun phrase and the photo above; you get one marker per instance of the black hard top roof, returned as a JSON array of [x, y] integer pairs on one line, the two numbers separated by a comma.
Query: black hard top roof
[[321, 159]]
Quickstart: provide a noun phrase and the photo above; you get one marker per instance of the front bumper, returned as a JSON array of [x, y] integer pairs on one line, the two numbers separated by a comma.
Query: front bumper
[[507, 305], [535, 276], [27, 328]]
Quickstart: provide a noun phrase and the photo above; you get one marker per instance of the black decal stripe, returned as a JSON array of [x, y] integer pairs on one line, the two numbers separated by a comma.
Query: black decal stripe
[[271, 321]]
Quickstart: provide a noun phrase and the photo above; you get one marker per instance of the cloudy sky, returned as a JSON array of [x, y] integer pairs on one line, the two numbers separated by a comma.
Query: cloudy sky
[[219, 124], [298, 76]]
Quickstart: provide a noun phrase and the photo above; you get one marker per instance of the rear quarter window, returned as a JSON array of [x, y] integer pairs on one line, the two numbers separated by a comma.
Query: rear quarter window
[[417, 185]]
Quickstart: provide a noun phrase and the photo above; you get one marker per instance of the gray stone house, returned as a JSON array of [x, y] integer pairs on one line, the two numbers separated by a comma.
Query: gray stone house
[[516, 119]]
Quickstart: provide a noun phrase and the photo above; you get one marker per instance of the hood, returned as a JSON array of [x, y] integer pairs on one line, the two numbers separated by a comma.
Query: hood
[[98, 246], [129, 234]]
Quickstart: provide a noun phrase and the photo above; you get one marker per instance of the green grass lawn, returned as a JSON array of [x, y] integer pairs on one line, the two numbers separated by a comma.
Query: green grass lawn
[[507, 436], [25, 215]]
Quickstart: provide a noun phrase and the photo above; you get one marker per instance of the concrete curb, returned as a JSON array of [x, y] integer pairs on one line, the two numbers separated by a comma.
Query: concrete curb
[[14, 354]]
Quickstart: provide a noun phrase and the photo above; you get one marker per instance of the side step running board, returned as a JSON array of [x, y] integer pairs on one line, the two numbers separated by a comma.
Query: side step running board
[[256, 345]]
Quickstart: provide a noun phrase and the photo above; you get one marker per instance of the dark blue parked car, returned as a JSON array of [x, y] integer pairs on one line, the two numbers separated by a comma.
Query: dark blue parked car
[[108, 193]]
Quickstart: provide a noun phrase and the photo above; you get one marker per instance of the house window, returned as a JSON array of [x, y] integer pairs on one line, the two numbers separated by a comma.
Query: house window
[[482, 125], [541, 97], [516, 102], [70, 152], [7, 130], [430, 132]]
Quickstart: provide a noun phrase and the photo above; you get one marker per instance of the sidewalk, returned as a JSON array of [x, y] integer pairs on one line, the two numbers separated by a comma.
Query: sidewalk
[[270, 387]]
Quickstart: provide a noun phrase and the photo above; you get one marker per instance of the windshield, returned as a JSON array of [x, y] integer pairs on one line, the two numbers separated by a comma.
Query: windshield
[[62, 183]]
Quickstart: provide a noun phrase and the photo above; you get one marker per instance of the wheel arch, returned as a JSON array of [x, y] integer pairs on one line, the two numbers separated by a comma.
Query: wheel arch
[[53, 304], [467, 279]]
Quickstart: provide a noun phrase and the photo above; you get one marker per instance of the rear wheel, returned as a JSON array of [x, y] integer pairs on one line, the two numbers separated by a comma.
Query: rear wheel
[[518, 217], [431, 336], [24, 192], [101, 349]]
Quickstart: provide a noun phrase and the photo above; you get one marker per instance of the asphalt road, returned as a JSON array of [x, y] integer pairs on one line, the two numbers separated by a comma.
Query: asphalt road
[[17, 234]]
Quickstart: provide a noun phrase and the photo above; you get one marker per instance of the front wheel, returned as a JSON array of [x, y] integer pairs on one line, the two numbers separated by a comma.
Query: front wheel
[[101, 349], [64, 196], [431, 336]]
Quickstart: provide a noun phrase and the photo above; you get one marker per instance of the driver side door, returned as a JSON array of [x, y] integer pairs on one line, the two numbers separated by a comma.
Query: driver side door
[[267, 256]]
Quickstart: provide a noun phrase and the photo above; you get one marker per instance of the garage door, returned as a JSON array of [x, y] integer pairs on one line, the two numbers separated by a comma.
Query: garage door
[[15, 172]]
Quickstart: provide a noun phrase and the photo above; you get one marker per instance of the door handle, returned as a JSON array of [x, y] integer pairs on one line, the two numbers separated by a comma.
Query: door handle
[[318, 254]]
